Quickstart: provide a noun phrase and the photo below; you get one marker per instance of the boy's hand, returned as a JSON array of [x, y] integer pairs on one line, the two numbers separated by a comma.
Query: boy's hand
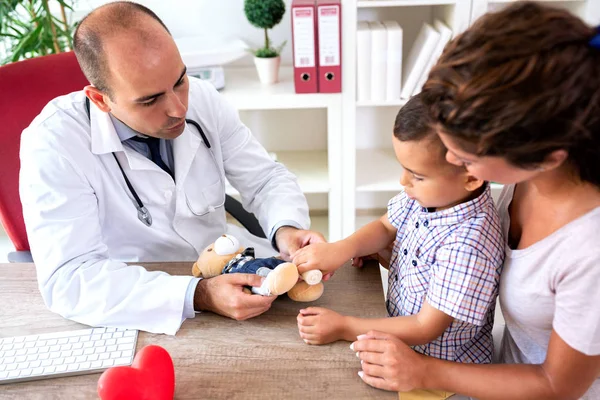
[[319, 325], [326, 257]]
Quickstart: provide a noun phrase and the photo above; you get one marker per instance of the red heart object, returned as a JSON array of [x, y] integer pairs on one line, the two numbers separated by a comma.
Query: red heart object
[[150, 377]]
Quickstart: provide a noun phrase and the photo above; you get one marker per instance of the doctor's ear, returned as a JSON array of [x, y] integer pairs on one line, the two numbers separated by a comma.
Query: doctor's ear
[[97, 97]]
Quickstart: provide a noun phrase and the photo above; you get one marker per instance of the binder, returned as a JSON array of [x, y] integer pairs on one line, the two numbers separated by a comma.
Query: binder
[[363, 62], [329, 25], [419, 55], [394, 60], [378, 61], [445, 36], [304, 43]]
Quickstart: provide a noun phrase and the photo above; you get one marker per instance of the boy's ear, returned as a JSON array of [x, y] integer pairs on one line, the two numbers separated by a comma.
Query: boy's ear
[[472, 183]]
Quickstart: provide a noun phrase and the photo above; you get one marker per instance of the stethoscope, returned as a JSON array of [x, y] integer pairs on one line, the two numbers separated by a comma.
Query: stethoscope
[[143, 213]]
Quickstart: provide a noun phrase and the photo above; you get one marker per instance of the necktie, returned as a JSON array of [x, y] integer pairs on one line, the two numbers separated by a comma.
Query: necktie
[[154, 146]]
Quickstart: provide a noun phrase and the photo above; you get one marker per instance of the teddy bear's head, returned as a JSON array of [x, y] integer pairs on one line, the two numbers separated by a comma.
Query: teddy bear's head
[[214, 258]]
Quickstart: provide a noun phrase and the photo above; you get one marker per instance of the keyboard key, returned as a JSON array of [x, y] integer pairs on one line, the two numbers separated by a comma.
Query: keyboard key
[[78, 352], [92, 357], [7, 347], [127, 353], [44, 350], [21, 352], [96, 337], [100, 343], [54, 354], [103, 356], [19, 339], [2, 367], [26, 372], [52, 342], [125, 340], [18, 346], [88, 351], [41, 343], [101, 349], [9, 360], [106, 336], [69, 360], [111, 329], [10, 353], [65, 347], [11, 367], [20, 359], [96, 364], [61, 368], [78, 346], [58, 361], [115, 354], [63, 341], [74, 339], [3, 375], [32, 357], [55, 348], [65, 354], [129, 333], [84, 365], [108, 363], [31, 338], [49, 370], [23, 365], [32, 351], [72, 367], [80, 359], [118, 335], [111, 348], [46, 363], [35, 364], [88, 345], [37, 371], [111, 342], [15, 374], [29, 345], [98, 330]]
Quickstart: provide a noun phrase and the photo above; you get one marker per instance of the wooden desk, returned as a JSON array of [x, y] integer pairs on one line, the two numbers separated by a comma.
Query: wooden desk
[[215, 357]]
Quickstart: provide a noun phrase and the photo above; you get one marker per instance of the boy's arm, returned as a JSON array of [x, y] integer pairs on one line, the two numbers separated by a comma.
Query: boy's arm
[[418, 329], [328, 257]]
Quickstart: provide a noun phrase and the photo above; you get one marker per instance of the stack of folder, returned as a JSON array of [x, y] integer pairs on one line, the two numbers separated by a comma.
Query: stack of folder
[[380, 71], [317, 46]]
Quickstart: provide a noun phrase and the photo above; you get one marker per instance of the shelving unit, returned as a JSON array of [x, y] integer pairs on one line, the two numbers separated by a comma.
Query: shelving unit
[[319, 171], [371, 172]]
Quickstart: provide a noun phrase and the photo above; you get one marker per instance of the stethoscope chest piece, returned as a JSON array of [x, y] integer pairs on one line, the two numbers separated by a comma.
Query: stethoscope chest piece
[[144, 215]]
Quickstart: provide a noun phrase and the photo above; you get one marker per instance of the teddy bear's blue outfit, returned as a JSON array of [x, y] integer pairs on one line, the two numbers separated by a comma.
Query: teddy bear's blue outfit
[[247, 263]]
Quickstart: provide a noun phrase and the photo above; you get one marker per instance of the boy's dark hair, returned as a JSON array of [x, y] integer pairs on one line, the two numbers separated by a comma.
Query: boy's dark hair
[[89, 36], [413, 123], [520, 84]]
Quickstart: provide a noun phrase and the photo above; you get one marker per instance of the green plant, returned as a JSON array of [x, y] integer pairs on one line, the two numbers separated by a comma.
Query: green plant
[[265, 14], [29, 28]]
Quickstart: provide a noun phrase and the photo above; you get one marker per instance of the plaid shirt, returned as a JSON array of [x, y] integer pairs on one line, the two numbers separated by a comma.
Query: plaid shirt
[[451, 258]]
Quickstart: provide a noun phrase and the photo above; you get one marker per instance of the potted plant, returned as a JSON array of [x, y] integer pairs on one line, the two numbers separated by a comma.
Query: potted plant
[[29, 29], [265, 14]]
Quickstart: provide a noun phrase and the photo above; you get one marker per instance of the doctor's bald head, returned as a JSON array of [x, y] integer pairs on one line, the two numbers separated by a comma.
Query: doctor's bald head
[[105, 25], [135, 68]]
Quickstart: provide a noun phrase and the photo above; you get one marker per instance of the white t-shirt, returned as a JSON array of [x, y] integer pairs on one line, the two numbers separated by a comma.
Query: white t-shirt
[[552, 284]]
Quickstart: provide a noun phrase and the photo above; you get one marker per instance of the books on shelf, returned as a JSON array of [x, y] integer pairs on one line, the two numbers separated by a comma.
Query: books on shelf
[[378, 60], [445, 36], [394, 60], [381, 74], [418, 57]]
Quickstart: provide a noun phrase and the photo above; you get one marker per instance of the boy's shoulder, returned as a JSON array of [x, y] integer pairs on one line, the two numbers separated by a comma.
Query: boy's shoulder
[[477, 226]]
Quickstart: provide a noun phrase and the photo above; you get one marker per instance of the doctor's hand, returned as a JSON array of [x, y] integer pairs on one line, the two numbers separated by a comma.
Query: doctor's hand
[[388, 363], [289, 240], [224, 295]]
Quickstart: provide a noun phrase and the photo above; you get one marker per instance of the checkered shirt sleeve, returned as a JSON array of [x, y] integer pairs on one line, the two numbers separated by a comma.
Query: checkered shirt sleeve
[[462, 283]]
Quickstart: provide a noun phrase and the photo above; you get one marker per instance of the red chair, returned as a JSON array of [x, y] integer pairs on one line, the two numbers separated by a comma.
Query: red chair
[[25, 88]]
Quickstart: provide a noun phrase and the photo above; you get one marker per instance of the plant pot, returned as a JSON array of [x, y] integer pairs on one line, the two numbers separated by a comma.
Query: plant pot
[[268, 69]]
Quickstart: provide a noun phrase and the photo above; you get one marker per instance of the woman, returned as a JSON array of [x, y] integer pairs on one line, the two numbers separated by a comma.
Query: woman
[[516, 100]]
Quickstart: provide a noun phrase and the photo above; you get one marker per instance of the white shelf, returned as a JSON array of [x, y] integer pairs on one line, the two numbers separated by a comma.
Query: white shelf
[[400, 3], [386, 103], [377, 171], [309, 166], [245, 92]]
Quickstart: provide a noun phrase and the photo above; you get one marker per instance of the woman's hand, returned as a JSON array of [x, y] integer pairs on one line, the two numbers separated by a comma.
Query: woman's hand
[[388, 363]]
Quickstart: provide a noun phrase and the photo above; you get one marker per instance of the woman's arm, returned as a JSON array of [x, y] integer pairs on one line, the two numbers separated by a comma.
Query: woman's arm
[[390, 364]]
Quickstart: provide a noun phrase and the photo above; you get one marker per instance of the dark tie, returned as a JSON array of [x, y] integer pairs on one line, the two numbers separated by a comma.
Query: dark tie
[[154, 146]]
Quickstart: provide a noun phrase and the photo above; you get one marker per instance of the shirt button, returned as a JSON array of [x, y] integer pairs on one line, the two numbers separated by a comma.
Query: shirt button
[[414, 263], [405, 252], [396, 277], [426, 223], [417, 225]]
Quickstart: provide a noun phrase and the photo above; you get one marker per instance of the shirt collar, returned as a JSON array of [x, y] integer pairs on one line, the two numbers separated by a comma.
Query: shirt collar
[[460, 212], [123, 131]]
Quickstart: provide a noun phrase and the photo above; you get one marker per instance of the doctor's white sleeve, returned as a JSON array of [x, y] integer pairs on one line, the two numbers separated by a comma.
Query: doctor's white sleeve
[[267, 188], [76, 277]]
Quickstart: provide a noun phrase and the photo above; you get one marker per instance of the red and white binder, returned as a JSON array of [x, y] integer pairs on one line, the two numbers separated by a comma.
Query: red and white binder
[[329, 28], [304, 43]]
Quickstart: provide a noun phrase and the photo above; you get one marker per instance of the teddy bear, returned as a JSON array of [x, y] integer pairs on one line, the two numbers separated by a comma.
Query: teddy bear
[[226, 256]]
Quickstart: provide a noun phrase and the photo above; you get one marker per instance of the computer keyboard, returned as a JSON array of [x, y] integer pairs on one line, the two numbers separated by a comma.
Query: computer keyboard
[[85, 351]]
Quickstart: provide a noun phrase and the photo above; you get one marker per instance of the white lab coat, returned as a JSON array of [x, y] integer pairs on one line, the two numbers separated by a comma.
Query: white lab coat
[[82, 222]]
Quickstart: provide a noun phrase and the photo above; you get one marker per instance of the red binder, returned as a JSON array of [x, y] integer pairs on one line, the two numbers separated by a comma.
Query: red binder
[[329, 28], [304, 42]]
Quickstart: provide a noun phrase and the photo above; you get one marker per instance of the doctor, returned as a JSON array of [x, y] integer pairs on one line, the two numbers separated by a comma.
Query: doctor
[[131, 180]]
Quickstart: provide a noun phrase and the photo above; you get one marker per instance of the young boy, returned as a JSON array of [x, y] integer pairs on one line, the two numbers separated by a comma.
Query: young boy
[[446, 260]]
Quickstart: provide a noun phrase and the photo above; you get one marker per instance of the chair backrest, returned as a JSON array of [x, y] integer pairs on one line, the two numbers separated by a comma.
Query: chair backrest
[[25, 88]]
